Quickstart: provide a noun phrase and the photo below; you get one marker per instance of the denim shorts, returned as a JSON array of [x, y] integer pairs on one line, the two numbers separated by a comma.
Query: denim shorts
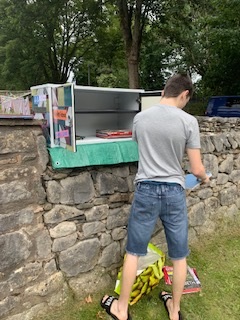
[[166, 201]]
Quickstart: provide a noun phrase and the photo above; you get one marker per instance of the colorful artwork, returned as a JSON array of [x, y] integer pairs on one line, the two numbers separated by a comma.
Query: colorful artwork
[[12, 106], [54, 103], [62, 104], [40, 109]]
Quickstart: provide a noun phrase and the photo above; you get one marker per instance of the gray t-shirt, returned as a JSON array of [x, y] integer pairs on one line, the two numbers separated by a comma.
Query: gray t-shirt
[[163, 133]]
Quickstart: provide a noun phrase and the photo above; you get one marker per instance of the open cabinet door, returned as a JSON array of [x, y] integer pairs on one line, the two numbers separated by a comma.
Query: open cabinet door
[[63, 116]]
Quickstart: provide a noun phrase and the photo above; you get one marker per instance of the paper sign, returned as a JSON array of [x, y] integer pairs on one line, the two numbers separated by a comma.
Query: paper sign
[[60, 92], [60, 114], [39, 98], [39, 109], [62, 134]]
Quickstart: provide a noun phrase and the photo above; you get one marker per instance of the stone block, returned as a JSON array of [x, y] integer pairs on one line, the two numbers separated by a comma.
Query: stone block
[[119, 233], [110, 255], [218, 142], [118, 217], [50, 267], [63, 229], [17, 141], [210, 162], [64, 243], [228, 196], [105, 239], [43, 243], [119, 197], [237, 162], [23, 276], [122, 171], [227, 165], [92, 228], [197, 215], [82, 257], [8, 304], [206, 143], [90, 282], [97, 213], [4, 290], [222, 178], [211, 205], [205, 193], [15, 248], [72, 190], [50, 285], [16, 220], [14, 191], [60, 213], [37, 310], [42, 152], [235, 176], [108, 183]]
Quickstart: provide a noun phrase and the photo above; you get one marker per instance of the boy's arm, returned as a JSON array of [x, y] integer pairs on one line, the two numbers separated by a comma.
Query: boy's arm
[[196, 165]]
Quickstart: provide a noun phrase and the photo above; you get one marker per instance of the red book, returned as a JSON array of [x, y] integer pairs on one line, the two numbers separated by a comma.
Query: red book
[[192, 283], [111, 134]]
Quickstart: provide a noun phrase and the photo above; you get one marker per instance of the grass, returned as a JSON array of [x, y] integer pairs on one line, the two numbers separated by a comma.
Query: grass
[[217, 260]]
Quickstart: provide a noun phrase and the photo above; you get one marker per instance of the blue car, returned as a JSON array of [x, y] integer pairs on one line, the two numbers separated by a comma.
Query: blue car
[[223, 106]]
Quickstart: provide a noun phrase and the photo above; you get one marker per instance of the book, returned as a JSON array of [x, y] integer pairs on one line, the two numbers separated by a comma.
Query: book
[[111, 134], [192, 283], [191, 182]]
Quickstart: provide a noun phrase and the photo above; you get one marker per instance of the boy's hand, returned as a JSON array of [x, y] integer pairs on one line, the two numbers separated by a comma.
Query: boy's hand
[[206, 180]]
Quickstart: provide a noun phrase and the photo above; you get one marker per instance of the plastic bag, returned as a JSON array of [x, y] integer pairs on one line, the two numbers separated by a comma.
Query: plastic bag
[[149, 273]]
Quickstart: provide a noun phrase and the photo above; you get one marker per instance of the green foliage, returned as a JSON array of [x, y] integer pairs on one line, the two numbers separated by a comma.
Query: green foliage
[[44, 41], [220, 78], [196, 107], [104, 62], [155, 54]]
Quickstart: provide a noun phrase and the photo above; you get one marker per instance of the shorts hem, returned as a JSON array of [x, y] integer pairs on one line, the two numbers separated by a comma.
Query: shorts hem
[[181, 258], [136, 254]]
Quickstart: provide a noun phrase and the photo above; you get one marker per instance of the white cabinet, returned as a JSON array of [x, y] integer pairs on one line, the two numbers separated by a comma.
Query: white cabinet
[[73, 113], [150, 98], [104, 108]]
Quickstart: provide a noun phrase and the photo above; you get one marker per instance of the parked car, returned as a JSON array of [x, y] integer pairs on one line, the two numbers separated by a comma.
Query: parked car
[[223, 106]]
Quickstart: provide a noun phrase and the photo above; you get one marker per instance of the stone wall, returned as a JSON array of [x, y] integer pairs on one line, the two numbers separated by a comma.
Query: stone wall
[[64, 231]]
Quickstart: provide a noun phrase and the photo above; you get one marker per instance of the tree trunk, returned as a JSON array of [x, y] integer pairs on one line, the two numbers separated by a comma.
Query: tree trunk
[[133, 75], [132, 22]]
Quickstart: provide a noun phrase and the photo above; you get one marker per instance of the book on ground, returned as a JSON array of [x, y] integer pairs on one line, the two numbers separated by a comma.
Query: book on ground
[[192, 283]]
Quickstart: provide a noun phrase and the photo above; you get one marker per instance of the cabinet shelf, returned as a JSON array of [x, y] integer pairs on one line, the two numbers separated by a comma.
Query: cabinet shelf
[[107, 111]]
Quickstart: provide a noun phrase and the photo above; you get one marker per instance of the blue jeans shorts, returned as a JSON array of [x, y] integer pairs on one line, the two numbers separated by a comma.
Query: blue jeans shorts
[[153, 200]]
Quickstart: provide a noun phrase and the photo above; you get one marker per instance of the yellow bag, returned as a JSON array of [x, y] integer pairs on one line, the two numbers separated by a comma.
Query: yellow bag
[[149, 273]]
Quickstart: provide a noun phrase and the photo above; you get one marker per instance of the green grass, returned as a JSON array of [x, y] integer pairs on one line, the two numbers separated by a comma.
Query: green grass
[[217, 260]]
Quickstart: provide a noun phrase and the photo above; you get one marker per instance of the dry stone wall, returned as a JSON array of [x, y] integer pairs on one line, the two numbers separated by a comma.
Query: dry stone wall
[[65, 231]]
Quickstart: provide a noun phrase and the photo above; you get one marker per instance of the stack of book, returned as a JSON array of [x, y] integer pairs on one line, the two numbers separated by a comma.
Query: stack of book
[[192, 283], [111, 134]]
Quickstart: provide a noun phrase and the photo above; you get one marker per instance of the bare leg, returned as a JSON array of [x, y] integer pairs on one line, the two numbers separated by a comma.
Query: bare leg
[[179, 278], [120, 307]]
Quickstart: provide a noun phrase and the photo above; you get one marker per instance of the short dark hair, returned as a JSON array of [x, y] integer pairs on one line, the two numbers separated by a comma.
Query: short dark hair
[[177, 84]]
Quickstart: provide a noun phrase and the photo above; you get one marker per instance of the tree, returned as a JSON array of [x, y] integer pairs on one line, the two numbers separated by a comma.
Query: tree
[[204, 37], [104, 63], [133, 16], [47, 37], [220, 77], [171, 19], [154, 60]]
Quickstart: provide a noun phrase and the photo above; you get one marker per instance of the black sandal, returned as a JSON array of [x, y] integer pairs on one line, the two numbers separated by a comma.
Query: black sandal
[[106, 305], [165, 297]]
